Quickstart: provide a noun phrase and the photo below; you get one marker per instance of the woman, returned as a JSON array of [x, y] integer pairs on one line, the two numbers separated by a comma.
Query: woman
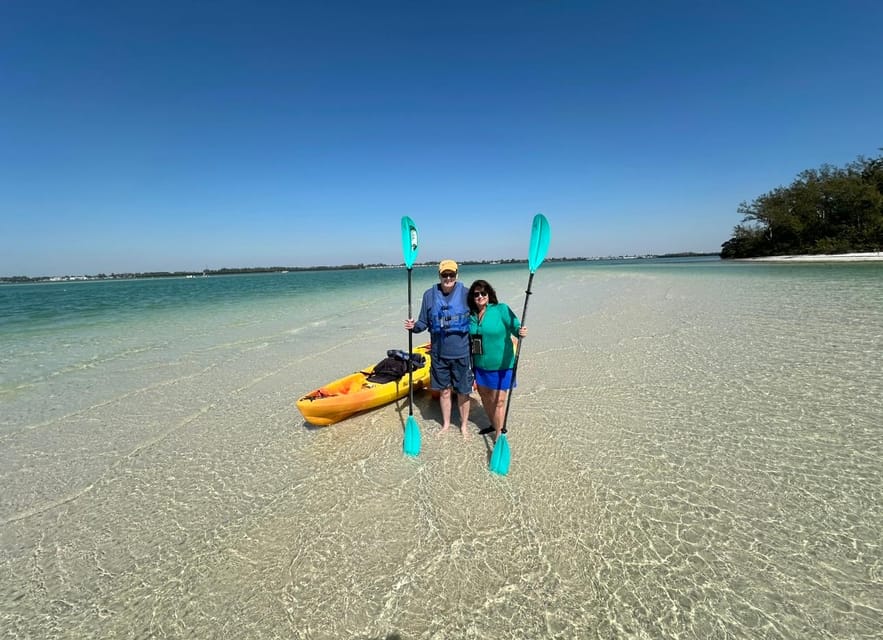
[[492, 325]]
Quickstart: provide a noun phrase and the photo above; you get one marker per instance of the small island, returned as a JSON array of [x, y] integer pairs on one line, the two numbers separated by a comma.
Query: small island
[[830, 212]]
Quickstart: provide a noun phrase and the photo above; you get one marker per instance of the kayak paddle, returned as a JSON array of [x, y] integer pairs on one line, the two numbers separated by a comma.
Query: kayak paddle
[[411, 446], [539, 245]]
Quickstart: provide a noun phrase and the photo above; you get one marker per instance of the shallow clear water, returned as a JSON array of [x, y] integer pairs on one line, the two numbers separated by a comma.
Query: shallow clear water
[[696, 454]]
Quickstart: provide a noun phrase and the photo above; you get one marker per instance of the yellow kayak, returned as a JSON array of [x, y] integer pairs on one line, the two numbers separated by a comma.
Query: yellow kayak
[[366, 389]]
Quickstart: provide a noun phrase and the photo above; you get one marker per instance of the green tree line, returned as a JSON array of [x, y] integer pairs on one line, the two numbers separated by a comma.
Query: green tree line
[[825, 210]]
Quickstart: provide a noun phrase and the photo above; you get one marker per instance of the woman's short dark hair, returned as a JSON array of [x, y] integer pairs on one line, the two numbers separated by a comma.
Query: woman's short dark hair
[[480, 285]]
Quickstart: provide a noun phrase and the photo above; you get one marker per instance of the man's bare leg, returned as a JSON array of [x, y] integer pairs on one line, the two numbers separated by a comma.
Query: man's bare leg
[[464, 401], [445, 402]]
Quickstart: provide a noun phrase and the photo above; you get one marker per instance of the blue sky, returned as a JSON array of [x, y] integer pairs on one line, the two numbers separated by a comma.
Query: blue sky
[[184, 135]]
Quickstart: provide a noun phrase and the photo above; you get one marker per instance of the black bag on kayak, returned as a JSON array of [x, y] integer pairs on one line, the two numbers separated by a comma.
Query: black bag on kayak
[[394, 366]]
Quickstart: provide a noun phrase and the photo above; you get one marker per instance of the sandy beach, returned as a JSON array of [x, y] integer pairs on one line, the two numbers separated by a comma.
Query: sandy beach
[[874, 256], [687, 462]]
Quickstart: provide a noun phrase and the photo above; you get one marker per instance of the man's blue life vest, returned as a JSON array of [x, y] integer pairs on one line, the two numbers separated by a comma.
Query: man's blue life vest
[[449, 315]]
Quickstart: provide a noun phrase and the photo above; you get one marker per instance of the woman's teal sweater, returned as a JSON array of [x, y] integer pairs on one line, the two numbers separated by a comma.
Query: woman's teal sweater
[[497, 327]]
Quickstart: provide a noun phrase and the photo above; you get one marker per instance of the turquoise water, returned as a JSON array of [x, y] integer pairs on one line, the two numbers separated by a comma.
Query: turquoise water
[[696, 453]]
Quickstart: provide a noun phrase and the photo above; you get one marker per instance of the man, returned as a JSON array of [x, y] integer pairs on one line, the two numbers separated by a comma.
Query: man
[[444, 311]]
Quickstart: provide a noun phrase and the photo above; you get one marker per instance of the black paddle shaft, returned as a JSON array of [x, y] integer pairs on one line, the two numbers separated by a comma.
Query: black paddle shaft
[[410, 355], [517, 352]]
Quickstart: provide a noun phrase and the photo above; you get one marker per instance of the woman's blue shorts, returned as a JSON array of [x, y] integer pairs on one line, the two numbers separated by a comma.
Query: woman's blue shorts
[[500, 380]]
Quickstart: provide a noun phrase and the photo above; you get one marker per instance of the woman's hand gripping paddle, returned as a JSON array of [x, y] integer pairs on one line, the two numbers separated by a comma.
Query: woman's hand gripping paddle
[[539, 245], [411, 446]]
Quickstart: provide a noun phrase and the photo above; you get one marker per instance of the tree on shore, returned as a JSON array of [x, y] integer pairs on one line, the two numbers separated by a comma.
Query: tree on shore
[[825, 210]]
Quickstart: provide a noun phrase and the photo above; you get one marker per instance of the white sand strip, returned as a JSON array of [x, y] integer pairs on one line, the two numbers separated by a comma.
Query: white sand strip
[[834, 257]]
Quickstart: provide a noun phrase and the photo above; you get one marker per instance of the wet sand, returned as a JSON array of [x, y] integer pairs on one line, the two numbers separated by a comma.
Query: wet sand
[[687, 462]]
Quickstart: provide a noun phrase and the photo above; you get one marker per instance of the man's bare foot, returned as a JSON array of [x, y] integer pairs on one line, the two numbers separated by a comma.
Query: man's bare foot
[[444, 429], [466, 433]]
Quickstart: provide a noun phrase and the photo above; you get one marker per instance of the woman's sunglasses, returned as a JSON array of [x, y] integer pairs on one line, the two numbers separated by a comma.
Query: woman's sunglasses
[[479, 294]]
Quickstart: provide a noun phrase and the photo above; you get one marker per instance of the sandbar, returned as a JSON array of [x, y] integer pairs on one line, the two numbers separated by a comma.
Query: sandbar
[[826, 257]]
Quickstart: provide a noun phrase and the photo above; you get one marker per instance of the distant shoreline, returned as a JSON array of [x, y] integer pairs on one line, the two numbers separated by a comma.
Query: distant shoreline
[[875, 256], [872, 256], [254, 270]]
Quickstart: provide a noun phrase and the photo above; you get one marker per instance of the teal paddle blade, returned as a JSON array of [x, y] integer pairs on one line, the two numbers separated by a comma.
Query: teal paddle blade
[[540, 234], [409, 241], [411, 446], [500, 457]]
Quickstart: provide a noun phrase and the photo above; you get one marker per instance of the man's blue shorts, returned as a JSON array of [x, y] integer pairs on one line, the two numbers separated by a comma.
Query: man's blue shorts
[[451, 372]]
